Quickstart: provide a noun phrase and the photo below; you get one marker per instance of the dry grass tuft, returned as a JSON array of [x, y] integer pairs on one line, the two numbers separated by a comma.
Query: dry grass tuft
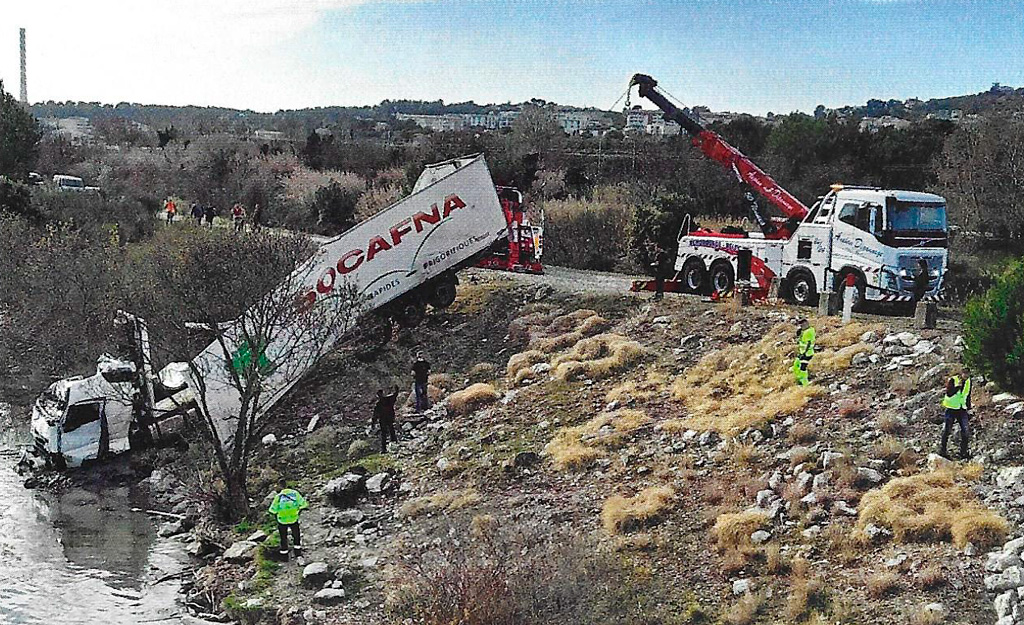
[[745, 454], [888, 448], [883, 584], [841, 358], [654, 385], [924, 616], [482, 371], [624, 514], [890, 424], [854, 409], [932, 507], [932, 577], [598, 357], [443, 381], [570, 329], [802, 433], [747, 385], [523, 360], [440, 501], [841, 545], [774, 562], [745, 610], [579, 446], [483, 526], [806, 596], [472, 397], [733, 530]]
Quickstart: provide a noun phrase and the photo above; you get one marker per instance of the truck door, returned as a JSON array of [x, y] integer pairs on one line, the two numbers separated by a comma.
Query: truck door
[[83, 434], [814, 250]]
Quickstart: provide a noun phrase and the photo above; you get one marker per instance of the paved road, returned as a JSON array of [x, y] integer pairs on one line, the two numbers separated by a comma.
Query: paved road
[[572, 280]]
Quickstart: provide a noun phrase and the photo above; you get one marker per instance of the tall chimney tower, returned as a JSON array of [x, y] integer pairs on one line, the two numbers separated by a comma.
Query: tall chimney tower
[[24, 72]]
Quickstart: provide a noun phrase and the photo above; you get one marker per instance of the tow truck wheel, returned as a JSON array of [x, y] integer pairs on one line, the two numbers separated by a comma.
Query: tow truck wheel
[[802, 290], [722, 277], [693, 275]]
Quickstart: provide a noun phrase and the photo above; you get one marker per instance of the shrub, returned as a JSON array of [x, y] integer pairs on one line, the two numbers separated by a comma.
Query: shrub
[[745, 610], [624, 514], [802, 433], [932, 577], [882, 584], [587, 234], [472, 398], [359, 449], [448, 500], [994, 330], [598, 357], [577, 447]]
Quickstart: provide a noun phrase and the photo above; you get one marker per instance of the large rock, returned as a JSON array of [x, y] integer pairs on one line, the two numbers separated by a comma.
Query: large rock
[[869, 475], [171, 528], [742, 586], [1003, 398], [525, 459], [1004, 603], [329, 596], [350, 517], [936, 462], [908, 339], [1009, 476], [315, 574], [999, 561], [1014, 546], [378, 483], [760, 537], [240, 551], [345, 490], [1008, 579]]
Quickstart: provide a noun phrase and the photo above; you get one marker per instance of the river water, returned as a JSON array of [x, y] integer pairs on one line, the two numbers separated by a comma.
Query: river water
[[81, 557]]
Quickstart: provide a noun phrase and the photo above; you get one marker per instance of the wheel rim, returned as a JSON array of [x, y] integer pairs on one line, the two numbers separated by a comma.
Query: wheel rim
[[693, 279], [801, 290], [721, 281]]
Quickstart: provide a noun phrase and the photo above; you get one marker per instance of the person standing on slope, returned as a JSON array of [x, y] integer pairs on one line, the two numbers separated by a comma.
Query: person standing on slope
[[805, 335], [384, 416], [287, 505], [957, 402], [421, 372]]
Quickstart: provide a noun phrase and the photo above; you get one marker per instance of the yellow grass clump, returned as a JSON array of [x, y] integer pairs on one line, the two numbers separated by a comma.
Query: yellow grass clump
[[598, 357], [472, 397], [589, 326], [579, 446], [522, 362], [624, 514], [440, 501], [733, 529], [655, 383], [746, 385], [932, 507]]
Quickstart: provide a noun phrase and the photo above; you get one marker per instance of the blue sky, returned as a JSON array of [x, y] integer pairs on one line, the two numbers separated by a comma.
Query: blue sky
[[743, 55]]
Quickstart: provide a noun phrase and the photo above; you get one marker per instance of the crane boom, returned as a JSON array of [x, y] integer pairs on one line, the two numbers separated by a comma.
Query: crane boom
[[716, 148]]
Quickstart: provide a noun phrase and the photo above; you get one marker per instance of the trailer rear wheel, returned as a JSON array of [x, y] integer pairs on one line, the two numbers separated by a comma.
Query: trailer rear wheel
[[722, 277], [411, 314], [693, 275], [444, 293], [800, 288]]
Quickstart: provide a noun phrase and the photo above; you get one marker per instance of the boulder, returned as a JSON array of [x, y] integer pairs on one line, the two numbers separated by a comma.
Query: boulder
[[908, 339], [171, 528], [760, 537], [350, 517], [345, 490], [874, 532], [811, 532], [257, 537], [841, 507], [860, 359], [269, 439], [936, 462], [742, 586], [315, 574], [1003, 398], [1014, 547], [999, 561], [1011, 578], [329, 596], [1009, 476], [378, 483], [240, 551], [869, 475]]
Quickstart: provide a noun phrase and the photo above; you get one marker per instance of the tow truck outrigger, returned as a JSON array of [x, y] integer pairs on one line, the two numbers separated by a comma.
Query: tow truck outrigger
[[878, 236]]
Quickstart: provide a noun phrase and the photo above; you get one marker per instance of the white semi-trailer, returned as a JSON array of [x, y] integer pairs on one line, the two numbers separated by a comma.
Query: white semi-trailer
[[393, 264]]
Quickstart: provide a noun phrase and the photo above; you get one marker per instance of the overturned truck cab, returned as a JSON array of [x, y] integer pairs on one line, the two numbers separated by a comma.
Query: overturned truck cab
[[122, 406]]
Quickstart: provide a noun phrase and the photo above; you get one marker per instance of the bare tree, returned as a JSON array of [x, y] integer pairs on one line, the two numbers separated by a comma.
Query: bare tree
[[247, 294]]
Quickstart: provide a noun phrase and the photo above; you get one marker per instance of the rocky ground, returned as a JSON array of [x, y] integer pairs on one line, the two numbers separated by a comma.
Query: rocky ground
[[830, 507]]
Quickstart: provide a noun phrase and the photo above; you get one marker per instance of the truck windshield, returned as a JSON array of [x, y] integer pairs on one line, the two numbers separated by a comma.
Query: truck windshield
[[917, 217]]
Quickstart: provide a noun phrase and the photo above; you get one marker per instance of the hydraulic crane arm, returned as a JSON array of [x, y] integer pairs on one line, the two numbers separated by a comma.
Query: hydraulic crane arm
[[715, 147]]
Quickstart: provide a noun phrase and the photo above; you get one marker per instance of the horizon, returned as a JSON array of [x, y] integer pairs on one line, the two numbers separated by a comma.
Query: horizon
[[750, 57]]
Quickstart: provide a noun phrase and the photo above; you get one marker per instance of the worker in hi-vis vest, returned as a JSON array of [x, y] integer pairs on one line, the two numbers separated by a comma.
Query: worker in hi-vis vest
[[805, 335], [957, 401], [287, 505]]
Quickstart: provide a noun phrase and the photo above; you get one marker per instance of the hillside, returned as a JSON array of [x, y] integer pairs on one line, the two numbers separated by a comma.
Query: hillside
[[604, 459]]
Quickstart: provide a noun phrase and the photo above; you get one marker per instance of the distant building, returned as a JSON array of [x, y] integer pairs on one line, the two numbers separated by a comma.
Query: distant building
[[874, 124], [74, 129], [951, 115], [269, 135]]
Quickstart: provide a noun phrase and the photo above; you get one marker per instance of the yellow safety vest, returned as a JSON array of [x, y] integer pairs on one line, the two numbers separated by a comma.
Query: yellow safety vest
[[958, 400], [805, 348], [286, 506]]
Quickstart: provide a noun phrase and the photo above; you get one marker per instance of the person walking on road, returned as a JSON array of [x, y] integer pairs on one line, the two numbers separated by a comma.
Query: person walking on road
[[238, 216], [957, 402], [805, 335], [209, 212], [421, 372], [197, 213], [287, 505], [257, 215], [658, 259], [170, 208], [384, 416]]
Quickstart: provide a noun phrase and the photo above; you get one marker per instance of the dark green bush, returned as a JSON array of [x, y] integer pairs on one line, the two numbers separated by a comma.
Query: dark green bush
[[994, 330]]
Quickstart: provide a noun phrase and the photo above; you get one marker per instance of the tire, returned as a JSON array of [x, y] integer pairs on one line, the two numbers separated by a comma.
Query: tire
[[723, 278], [443, 294], [693, 276], [411, 313], [800, 288]]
